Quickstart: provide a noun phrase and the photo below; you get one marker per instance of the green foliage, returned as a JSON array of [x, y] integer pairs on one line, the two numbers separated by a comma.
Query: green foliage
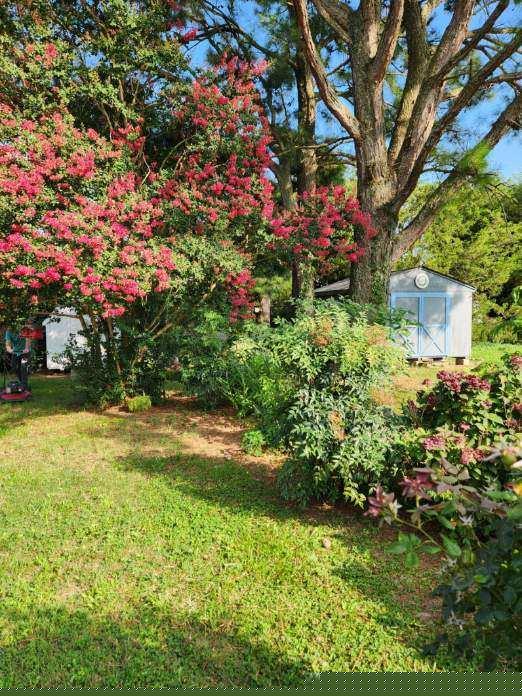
[[485, 407], [253, 442], [231, 364], [337, 447], [137, 404], [489, 589], [459, 417], [309, 384], [132, 363], [479, 536]]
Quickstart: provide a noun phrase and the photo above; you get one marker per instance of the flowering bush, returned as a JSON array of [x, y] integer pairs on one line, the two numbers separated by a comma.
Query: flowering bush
[[91, 223], [321, 229], [78, 225], [478, 532], [459, 417], [485, 407], [335, 435], [419, 447]]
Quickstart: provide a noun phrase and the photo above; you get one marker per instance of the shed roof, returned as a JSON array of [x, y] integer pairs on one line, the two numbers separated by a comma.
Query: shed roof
[[341, 287], [337, 288], [430, 270]]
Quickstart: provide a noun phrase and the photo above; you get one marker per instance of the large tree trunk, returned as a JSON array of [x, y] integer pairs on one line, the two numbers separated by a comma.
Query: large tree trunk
[[376, 184], [303, 276], [369, 278], [391, 160]]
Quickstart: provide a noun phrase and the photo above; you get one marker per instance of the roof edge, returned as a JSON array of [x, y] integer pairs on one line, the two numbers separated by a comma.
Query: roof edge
[[442, 275]]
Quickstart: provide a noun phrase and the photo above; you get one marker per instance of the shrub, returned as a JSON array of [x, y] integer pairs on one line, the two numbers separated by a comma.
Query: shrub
[[420, 447], [141, 368], [338, 444], [308, 383], [459, 418], [485, 406], [253, 442], [478, 532], [137, 404], [335, 434]]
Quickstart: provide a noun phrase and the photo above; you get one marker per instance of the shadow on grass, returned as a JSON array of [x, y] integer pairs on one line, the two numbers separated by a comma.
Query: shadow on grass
[[57, 648]]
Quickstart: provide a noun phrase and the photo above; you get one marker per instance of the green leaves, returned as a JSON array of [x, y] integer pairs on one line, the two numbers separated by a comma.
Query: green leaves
[[451, 547], [407, 544]]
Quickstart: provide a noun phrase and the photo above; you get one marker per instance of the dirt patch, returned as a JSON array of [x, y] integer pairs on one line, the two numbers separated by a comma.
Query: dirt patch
[[216, 434]]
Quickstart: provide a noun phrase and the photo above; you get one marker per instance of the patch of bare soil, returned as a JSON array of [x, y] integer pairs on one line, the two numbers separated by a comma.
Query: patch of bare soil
[[216, 434]]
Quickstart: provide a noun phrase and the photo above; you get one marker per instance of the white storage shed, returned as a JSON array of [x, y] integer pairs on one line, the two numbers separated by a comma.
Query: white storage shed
[[440, 308], [59, 329]]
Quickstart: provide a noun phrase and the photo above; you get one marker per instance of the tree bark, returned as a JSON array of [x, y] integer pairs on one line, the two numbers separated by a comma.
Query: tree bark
[[303, 275], [369, 277], [393, 146]]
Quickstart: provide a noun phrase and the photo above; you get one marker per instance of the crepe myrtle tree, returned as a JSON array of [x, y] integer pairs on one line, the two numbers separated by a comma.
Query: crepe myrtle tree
[[415, 68], [82, 226], [303, 159]]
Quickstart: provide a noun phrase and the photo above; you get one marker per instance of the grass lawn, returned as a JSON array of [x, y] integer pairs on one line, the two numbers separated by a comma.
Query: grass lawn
[[492, 352], [147, 551]]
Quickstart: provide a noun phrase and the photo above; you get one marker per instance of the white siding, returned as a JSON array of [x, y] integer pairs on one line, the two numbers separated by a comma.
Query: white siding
[[461, 301]]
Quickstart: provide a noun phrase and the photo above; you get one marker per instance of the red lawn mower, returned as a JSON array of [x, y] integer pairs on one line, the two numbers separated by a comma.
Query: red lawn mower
[[18, 390]]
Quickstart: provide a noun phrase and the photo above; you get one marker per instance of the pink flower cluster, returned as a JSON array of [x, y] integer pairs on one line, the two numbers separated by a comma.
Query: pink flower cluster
[[457, 381], [322, 227], [434, 442], [239, 288], [101, 251], [224, 182]]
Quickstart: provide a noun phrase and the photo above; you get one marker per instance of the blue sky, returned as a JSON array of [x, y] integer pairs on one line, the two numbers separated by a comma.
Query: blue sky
[[506, 158]]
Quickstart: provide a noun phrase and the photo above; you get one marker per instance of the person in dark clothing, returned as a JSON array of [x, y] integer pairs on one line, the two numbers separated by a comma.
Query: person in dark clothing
[[19, 350]]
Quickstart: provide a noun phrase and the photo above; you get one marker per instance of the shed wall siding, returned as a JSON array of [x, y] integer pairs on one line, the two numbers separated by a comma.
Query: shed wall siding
[[460, 310], [460, 324]]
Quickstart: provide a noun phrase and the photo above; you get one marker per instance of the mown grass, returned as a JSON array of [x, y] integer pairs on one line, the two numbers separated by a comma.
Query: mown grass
[[126, 561], [493, 352]]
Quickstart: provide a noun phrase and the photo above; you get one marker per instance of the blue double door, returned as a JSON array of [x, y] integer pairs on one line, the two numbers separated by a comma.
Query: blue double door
[[427, 334]]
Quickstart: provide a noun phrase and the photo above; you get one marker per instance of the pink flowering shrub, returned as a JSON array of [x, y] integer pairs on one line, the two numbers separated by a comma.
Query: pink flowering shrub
[[459, 417], [322, 229], [83, 226], [78, 225], [484, 408]]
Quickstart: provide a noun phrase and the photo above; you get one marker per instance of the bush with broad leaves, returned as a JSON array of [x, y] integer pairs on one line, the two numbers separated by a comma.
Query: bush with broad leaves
[[478, 534]]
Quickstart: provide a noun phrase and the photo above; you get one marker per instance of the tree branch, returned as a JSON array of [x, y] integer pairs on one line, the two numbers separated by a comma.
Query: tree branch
[[479, 34], [462, 100], [326, 89], [337, 16], [418, 55], [388, 40], [508, 120]]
